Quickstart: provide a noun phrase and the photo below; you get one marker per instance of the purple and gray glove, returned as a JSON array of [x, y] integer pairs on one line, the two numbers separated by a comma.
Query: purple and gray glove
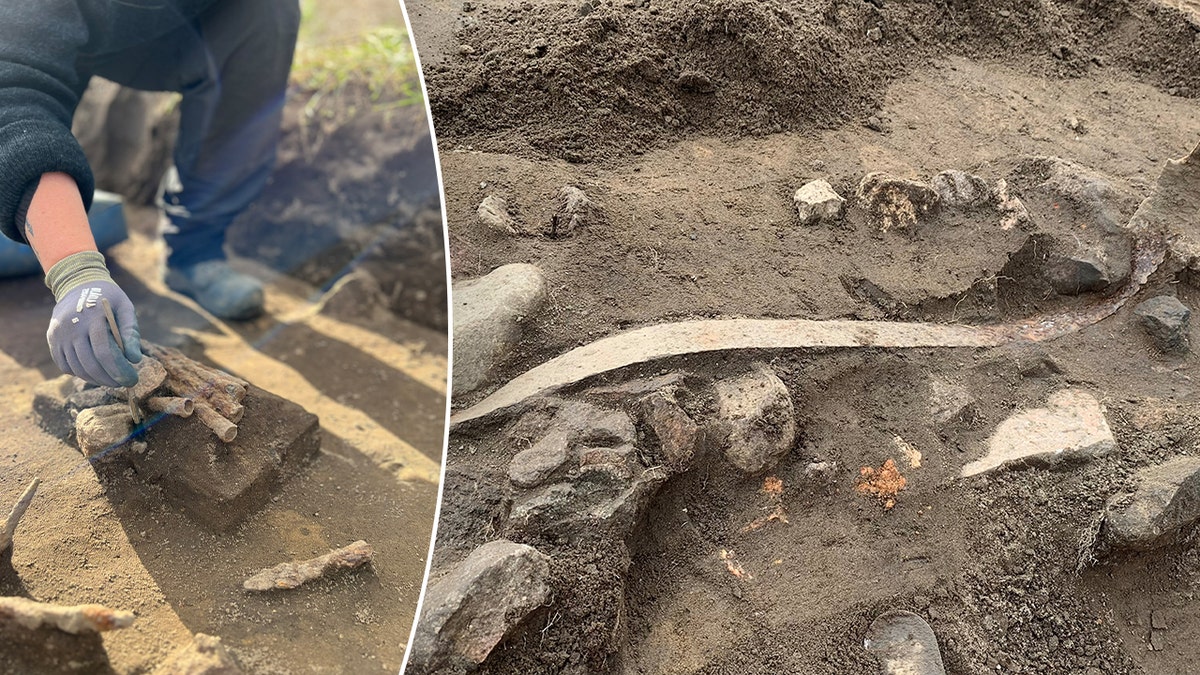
[[81, 343]]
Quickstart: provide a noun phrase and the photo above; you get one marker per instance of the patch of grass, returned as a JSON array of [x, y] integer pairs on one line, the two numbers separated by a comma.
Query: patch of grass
[[378, 69]]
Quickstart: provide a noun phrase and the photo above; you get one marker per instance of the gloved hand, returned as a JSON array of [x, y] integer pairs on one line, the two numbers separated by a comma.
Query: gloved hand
[[80, 340]]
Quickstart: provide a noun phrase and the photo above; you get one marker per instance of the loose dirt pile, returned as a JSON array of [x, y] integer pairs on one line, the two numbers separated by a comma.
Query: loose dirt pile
[[592, 80], [692, 129]]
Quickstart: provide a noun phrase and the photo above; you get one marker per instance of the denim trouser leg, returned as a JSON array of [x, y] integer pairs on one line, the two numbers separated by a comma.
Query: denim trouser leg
[[231, 65]]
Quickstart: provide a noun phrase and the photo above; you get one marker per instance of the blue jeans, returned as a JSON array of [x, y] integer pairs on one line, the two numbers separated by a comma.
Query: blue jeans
[[231, 66]]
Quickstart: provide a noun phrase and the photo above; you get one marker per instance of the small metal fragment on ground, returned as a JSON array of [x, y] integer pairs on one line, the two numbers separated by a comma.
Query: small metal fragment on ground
[[74, 619], [291, 575], [17, 512]]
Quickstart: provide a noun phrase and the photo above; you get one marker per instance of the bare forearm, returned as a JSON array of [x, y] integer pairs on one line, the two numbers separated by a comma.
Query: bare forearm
[[56, 224]]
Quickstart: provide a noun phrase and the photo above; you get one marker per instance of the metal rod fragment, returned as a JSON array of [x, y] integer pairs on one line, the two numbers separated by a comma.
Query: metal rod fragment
[[223, 428], [290, 575], [172, 405]]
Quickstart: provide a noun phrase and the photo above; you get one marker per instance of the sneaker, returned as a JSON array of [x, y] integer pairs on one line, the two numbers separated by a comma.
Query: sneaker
[[219, 289]]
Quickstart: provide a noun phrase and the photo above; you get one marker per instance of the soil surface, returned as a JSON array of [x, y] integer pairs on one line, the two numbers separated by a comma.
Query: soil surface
[[691, 125], [336, 340]]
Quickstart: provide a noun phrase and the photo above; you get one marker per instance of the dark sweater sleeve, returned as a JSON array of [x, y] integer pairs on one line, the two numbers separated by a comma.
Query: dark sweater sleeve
[[40, 43]]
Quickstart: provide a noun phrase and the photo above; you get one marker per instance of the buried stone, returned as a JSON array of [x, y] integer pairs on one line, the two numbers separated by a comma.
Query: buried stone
[[816, 202], [481, 600], [755, 413], [1165, 319], [1162, 508], [1070, 429], [895, 203], [489, 315]]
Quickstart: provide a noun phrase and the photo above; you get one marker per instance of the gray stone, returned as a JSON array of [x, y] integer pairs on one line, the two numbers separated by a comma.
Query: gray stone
[[816, 202], [959, 189], [1080, 273], [204, 655], [102, 428], [1071, 428], [572, 425], [493, 213], [1166, 319], [1165, 504], [533, 465], [948, 401], [470, 610], [678, 435], [605, 497], [904, 644], [488, 317], [895, 203], [755, 410]]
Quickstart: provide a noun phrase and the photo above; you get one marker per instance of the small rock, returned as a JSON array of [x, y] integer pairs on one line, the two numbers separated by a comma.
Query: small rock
[[895, 202], [1014, 210], [874, 34], [677, 434], [98, 429], [959, 189], [904, 644], [948, 401], [608, 496], [816, 202], [1071, 428], [695, 82], [1075, 124], [533, 465], [1158, 640], [493, 213], [1166, 319], [204, 655], [874, 124], [821, 471], [572, 425], [488, 317], [756, 412], [1165, 504], [470, 610], [467, 50], [1078, 274]]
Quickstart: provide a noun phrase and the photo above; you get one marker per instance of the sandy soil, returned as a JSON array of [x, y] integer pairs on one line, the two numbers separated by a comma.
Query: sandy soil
[[377, 382], [696, 190]]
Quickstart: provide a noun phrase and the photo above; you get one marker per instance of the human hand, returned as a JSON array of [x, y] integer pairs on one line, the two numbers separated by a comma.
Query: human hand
[[80, 340]]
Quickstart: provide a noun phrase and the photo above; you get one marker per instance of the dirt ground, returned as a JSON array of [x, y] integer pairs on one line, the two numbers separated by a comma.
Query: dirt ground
[[696, 183], [375, 376]]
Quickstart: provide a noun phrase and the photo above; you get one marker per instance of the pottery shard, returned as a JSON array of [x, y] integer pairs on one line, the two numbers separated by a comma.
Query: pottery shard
[[895, 203], [1165, 504], [756, 411], [816, 202], [1071, 428], [204, 655], [678, 435], [470, 610], [493, 213], [489, 314]]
